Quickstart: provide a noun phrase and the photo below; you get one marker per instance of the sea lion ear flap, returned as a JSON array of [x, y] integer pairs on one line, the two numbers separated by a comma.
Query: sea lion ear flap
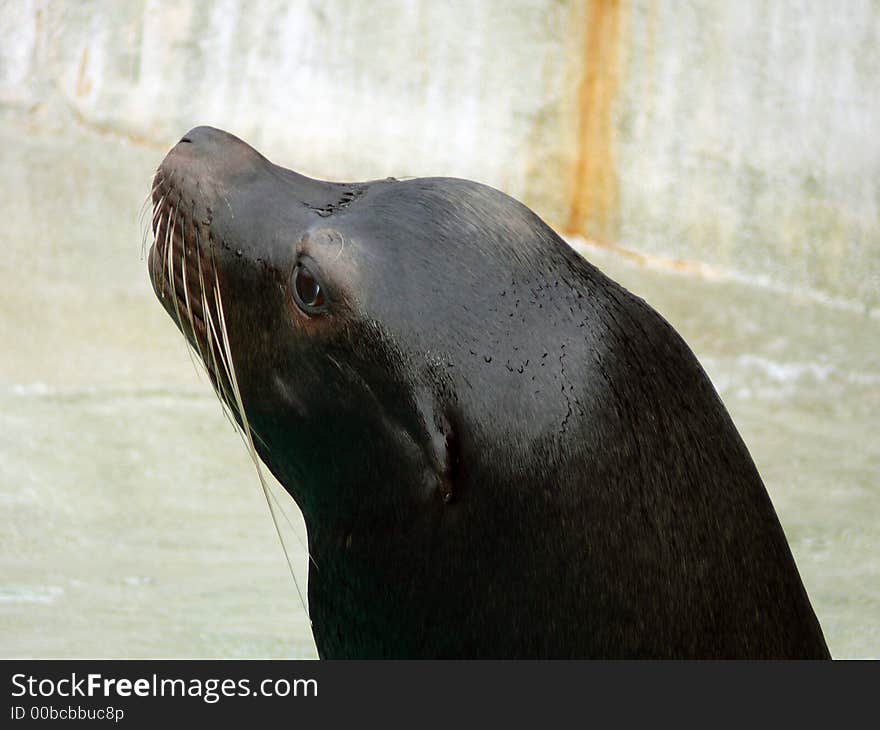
[[450, 483], [442, 444]]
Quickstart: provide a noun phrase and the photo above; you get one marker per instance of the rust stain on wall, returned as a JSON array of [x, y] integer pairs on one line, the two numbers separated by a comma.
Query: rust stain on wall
[[593, 195]]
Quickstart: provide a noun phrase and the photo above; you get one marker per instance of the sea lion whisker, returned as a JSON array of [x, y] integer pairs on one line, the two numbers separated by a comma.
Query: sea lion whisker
[[148, 198], [221, 389], [142, 222], [189, 311], [146, 235], [186, 299], [222, 392], [193, 351], [219, 337], [169, 242], [292, 528], [154, 227], [247, 433], [224, 402], [219, 384], [173, 287], [267, 490], [146, 205], [214, 340], [149, 230], [213, 367], [170, 277], [163, 228], [159, 209]]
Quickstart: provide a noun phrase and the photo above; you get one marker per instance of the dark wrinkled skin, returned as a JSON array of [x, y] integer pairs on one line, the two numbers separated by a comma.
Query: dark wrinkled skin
[[498, 451]]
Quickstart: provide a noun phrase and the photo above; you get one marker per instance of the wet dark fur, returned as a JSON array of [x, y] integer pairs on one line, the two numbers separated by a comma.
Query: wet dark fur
[[499, 452]]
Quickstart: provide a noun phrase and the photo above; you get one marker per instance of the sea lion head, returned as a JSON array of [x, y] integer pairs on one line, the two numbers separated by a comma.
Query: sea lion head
[[337, 320]]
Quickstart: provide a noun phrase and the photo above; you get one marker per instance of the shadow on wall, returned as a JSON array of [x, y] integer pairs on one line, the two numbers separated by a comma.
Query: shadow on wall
[[737, 135]]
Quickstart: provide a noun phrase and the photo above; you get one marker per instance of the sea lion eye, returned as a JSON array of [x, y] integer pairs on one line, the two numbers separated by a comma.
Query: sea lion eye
[[307, 291]]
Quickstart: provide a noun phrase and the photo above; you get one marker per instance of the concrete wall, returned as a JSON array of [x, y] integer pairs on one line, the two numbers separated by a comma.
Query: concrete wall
[[740, 135]]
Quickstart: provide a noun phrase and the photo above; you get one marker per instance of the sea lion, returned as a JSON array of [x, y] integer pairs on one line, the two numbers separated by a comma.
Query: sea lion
[[498, 450]]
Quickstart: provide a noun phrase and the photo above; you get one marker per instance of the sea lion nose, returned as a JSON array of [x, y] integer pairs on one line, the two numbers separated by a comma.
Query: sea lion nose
[[210, 141], [206, 138], [209, 155]]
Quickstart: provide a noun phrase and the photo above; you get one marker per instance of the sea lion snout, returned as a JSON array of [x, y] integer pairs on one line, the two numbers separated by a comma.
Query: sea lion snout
[[208, 161], [194, 186], [209, 142]]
